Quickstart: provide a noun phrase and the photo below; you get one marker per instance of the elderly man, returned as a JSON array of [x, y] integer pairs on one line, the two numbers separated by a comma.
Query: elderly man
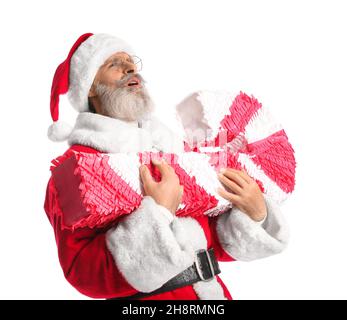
[[150, 253]]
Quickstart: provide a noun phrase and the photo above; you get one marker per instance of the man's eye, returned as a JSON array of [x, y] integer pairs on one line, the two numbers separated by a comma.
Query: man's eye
[[117, 63]]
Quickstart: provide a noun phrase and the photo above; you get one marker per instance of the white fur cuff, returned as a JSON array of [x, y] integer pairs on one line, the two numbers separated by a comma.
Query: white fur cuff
[[246, 240], [145, 248], [169, 216]]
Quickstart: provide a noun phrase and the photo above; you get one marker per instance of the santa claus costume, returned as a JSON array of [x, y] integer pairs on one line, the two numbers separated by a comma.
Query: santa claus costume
[[135, 254]]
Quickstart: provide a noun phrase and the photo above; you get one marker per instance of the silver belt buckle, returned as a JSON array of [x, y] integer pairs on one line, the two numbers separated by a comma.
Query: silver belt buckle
[[196, 262]]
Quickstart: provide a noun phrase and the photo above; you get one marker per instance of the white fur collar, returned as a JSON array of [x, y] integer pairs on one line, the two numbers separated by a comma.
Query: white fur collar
[[112, 135]]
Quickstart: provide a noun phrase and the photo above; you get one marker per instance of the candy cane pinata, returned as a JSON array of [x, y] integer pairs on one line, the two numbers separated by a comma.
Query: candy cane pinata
[[221, 130], [240, 133]]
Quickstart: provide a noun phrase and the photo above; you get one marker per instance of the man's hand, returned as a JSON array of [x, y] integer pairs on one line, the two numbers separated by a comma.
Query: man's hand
[[168, 192], [245, 193]]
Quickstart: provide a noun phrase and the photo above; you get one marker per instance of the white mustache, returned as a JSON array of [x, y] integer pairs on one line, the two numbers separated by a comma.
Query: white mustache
[[125, 79]]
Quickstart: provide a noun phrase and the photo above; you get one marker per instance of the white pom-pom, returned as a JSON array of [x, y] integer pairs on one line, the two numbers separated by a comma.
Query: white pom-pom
[[59, 131]]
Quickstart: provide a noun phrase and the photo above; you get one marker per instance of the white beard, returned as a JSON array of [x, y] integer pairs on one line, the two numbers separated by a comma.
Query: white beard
[[124, 103]]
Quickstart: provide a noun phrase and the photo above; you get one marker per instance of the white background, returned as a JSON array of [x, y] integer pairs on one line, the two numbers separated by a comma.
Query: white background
[[290, 54]]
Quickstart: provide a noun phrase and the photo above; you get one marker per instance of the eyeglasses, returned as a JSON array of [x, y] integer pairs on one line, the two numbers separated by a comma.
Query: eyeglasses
[[133, 59], [138, 62]]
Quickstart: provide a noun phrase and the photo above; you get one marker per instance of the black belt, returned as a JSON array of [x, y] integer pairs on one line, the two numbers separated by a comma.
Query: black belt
[[204, 268]]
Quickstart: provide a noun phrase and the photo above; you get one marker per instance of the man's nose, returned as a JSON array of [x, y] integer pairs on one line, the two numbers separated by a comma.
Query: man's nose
[[129, 68]]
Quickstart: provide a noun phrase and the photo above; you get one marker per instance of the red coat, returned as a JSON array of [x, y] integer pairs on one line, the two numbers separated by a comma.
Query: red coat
[[143, 250], [88, 264]]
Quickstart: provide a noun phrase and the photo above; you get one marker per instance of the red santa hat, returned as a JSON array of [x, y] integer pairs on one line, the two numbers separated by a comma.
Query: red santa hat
[[76, 74]]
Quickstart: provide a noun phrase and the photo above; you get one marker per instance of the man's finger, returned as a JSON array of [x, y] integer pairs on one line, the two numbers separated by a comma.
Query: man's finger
[[235, 176], [233, 198], [146, 176], [163, 167], [245, 175], [234, 187]]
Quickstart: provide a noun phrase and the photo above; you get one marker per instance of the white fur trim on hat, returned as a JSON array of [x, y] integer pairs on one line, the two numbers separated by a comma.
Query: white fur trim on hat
[[85, 62], [59, 131]]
